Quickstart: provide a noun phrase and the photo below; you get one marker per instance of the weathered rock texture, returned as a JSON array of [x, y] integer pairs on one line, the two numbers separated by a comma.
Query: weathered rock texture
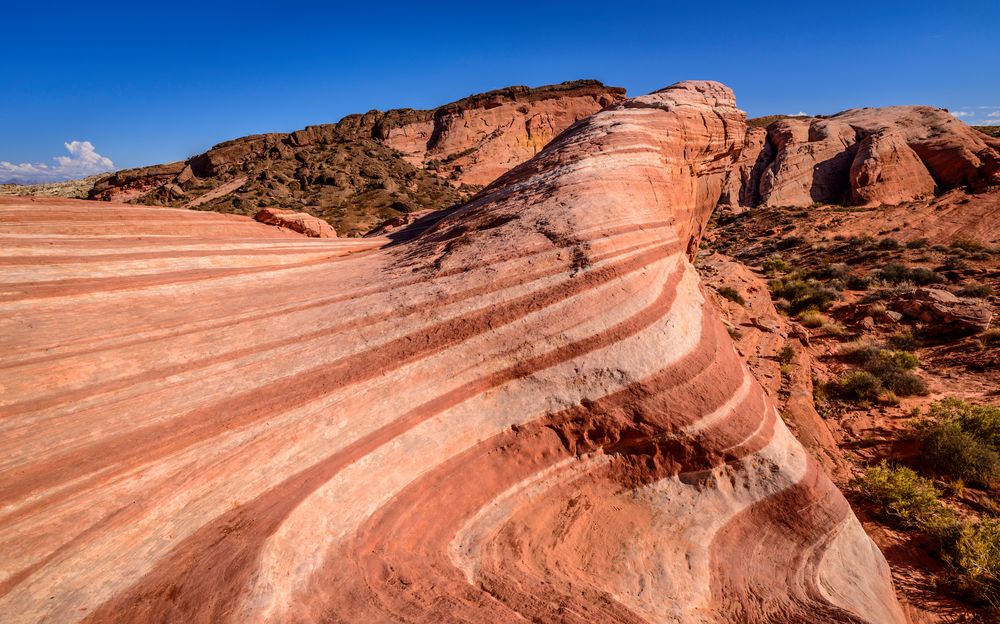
[[529, 412], [297, 222], [372, 167], [868, 156], [941, 312]]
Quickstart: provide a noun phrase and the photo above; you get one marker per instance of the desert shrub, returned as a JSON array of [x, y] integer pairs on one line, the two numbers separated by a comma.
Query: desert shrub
[[883, 370], [966, 244], [834, 328], [940, 247], [982, 421], [953, 263], [888, 243], [905, 383], [972, 551], [947, 449], [860, 241], [786, 354], [892, 369], [887, 361], [975, 290], [900, 495], [924, 277], [903, 340], [860, 352], [732, 294], [990, 337], [836, 270], [811, 319], [789, 241], [803, 294], [775, 264], [895, 273], [917, 243], [980, 255], [859, 387], [858, 282]]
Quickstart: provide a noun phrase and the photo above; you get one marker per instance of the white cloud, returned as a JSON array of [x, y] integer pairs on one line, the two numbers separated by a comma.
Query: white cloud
[[83, 161], [996, 114], [800, 114], [961, 114]]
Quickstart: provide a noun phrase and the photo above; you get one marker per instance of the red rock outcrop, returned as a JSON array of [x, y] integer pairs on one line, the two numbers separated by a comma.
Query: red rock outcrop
[[297, 222], [366, 168], [528, 412], [868, 156], [886, 171]]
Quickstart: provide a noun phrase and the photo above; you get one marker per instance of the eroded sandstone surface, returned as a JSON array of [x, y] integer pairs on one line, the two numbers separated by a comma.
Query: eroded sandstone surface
[[867, 156], [526, 412]]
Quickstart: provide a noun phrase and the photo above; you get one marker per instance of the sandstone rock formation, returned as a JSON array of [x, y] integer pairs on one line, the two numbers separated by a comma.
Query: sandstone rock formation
[[941, 312], [368, 168], [760, 333], [300, 222], [868, 156], [528, 412]]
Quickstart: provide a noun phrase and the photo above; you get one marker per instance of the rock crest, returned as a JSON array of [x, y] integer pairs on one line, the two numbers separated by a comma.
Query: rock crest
[[528, 412]]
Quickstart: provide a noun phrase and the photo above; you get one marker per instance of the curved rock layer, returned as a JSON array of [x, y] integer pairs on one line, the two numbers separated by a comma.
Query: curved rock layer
[[867, 156], [526, 413]]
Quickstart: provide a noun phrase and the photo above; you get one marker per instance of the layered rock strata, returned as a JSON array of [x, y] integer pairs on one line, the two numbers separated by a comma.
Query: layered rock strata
[[526, 412]]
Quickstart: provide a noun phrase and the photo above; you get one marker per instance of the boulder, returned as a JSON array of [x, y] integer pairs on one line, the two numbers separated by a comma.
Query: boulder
[[944, 313], [300, 222]]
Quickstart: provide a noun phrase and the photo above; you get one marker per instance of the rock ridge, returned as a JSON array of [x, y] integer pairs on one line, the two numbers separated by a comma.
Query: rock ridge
[[530, 413]]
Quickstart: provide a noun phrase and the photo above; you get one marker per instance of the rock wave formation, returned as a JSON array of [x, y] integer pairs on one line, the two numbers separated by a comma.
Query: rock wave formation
[[868, 156], [526, 412], [371, 167]]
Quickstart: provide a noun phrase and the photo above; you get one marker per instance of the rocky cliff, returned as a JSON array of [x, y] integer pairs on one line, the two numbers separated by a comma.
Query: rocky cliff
[[869, 156], [371, 167], [527, 412]]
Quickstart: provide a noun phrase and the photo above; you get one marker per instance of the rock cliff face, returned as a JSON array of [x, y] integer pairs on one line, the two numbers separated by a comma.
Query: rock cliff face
[[529, 413], [869, 156], [371, 167]]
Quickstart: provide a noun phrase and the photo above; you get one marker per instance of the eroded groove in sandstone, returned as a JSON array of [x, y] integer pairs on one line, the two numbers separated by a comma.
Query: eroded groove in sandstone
[[527, 412]]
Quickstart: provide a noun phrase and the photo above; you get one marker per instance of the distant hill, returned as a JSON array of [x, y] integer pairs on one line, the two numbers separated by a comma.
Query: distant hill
[[75, 189], [370, 167]]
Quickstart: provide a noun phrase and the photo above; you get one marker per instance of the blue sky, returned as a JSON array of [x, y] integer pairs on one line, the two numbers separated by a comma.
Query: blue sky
[[145, 83]]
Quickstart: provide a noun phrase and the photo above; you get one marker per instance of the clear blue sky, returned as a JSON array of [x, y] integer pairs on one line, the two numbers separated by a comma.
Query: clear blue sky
[[156, 82]]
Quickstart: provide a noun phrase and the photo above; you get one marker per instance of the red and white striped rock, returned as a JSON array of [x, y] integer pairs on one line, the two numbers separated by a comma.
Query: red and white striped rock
[[526, 413]]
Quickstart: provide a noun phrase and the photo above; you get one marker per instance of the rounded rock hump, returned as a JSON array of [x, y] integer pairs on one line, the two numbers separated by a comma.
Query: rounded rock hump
[[527, 412], [863, 156]]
